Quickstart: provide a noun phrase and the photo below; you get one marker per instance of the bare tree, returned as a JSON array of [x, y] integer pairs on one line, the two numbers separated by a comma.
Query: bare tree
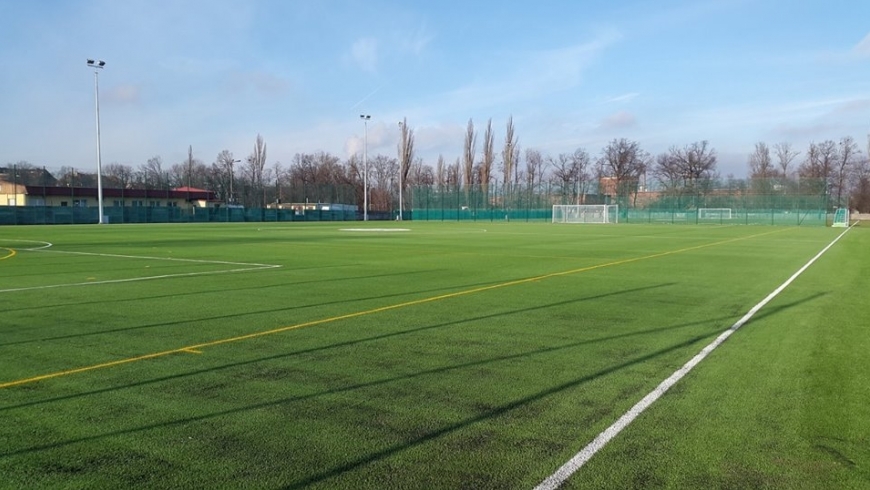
[[818, 166], [256, 163], [223, 173], [278, 173], [118, 175], [760, 163], [819, 162], [622, 162], [189, 173], [468, 152], [860, 188], [510, 153], [847, 156], [406, 156], [488, 159], [421, 174], [570, 173], [440, 172], [535, 167], [453, 175], [153, 175], [761, 170], [784, 156]]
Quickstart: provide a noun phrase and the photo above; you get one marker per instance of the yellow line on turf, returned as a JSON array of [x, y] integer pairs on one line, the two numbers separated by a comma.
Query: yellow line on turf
[[196, 348], [9, 255]]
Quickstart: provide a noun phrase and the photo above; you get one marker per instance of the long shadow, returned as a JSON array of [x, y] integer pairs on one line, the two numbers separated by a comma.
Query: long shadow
[[372, 457], [372, 339], [248, 313], [393, 449], [714, 321], [224, 289]]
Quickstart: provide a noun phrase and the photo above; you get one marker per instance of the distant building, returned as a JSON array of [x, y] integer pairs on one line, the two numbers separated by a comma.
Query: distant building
[[38, 176], [14, 194], [301, 207]]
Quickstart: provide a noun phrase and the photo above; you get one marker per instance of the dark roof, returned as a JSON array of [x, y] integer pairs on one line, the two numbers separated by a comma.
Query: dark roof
[[38, 190], [27, 175]]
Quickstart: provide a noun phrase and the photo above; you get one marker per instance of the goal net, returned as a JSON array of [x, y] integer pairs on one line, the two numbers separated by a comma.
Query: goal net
[[714, 213], [585, 213], [841, 218]]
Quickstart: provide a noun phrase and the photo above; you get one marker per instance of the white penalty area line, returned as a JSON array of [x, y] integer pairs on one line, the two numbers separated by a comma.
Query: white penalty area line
[[575, 463], [247, 266]]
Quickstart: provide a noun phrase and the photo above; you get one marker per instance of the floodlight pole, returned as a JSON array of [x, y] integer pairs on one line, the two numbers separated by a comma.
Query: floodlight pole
[[97, 66], [365, 118]]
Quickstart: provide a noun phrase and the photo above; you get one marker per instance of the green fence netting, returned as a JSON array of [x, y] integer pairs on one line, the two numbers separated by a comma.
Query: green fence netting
[[802, 203]]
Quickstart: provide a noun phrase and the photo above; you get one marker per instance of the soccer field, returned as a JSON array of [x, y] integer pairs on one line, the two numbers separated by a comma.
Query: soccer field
[[431, 355]]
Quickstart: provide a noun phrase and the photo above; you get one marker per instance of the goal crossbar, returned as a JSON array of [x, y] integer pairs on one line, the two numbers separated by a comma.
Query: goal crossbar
[[714, 213], [585, 213]]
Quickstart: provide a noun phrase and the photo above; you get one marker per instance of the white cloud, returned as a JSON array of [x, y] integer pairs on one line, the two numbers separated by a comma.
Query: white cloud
[[863, 47], [364, 53], [619, 120], [418, 41], [126, 93], [260, 82], [622, 98], [528, 76]]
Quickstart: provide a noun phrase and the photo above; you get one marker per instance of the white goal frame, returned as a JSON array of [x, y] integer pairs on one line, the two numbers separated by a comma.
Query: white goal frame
[[585, 213], [841, 218], [714, 213]]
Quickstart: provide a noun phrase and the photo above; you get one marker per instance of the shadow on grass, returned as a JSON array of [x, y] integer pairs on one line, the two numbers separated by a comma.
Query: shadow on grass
[[372, 457], [484, 415], [252, 312], [225, 289], [375, 338]]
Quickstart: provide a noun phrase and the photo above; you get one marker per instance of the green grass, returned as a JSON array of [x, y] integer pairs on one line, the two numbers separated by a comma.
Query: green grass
[[453, 355]]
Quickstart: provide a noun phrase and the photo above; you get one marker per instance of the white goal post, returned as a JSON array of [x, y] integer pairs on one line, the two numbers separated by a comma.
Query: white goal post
[[714, 213], [841, 218], [585, 213]]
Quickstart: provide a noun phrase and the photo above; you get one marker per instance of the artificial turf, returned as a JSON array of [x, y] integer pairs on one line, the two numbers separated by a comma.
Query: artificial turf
[[450, 355]]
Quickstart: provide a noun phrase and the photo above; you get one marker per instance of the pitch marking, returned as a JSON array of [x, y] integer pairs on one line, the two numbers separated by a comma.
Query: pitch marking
[[250, 267], [197, 347], [575, 463]]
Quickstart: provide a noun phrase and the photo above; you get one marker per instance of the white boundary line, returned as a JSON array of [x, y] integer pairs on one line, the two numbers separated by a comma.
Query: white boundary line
[[250, 267], [575, 463]]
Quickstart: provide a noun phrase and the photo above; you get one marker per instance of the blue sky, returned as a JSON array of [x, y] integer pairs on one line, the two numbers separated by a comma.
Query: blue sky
[[213, 74]]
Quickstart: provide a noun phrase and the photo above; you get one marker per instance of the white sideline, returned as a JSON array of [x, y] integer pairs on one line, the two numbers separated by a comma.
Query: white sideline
[[575, 463], [249, 266]]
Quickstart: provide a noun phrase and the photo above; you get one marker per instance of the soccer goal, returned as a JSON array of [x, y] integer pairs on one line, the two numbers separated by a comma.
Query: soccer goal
[[585, 213], [714, 213], [841, 218]]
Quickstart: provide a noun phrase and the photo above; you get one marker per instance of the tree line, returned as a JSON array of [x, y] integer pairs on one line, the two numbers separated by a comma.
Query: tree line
[[621, 168]]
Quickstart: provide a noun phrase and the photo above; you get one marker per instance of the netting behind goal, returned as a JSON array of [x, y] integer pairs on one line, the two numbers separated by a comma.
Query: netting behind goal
[[585, 213], [841, 218], [714, 213]]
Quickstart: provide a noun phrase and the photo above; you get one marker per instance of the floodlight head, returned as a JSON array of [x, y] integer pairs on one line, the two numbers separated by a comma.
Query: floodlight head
[[365, 116], [90, 61], [102, 63]]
